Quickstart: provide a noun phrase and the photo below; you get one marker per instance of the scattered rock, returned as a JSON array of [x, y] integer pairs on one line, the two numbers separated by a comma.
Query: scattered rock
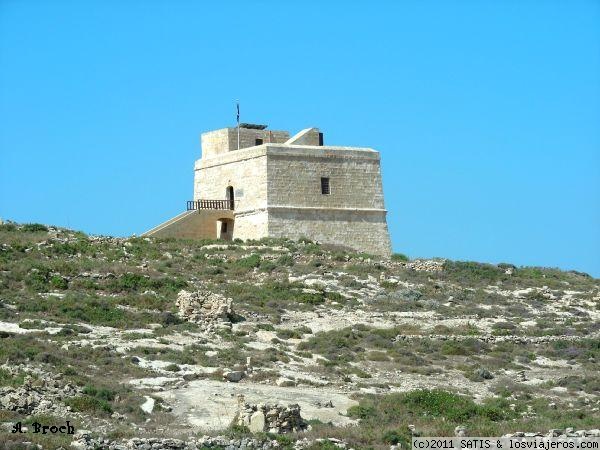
[[285, 382], [148, 405], [460, 431], [233, 375], [257, 422], [483, 374], [43, 395]]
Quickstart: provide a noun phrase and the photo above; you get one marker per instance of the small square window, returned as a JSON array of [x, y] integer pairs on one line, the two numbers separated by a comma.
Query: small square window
[[325, 186], [258, 141]]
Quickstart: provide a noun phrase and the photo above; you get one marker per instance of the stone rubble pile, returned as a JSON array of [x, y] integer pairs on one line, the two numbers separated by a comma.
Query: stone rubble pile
[[210, 310], [305, 443], [426, 265], [37, 396], [271, 418], [557, 433]]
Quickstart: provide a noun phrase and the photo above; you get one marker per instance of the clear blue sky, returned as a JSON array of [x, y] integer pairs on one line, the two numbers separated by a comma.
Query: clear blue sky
[[486, 113]]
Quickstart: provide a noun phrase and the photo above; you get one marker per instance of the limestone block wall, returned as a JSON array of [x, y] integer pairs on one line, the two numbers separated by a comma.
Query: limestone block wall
[[192, 225], [248, 137], [214, 142], [294, 177], [308, 136], [225, 140], [251, 225], [363, 231], [244, 170]]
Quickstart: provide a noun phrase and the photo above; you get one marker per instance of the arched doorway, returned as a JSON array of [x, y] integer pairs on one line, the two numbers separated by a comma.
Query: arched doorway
[[225, 229], [230, 196]]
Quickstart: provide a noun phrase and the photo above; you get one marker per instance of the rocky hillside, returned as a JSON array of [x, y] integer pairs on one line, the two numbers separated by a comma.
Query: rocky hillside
[[144, 343]]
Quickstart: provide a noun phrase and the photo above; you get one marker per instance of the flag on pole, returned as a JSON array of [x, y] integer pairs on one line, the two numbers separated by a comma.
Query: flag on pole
[[237, 102]]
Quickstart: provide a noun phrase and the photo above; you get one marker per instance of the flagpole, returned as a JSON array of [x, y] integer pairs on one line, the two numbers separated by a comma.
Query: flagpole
[[238, 124]]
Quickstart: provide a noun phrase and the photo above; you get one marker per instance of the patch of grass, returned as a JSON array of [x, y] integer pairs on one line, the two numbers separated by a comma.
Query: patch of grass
[[267, 266], [7, 379], [100, 393], [581, 351], [32, 325], [377, 356], [295, 333], [135, 282], [10, 441], [384, 418], [173, 368], [464, 348], [349, 344], [88, 308], [272, 297]]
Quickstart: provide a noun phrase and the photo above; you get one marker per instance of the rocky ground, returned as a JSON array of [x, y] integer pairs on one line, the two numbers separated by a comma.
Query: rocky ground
[[145, 343]]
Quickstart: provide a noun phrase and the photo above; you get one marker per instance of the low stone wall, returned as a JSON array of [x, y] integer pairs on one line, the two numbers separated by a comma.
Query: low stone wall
[[491, 339], [557, 433], [83, 440]]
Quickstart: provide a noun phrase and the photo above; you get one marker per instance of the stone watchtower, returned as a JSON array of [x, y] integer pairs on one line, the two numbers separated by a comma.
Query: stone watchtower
[[277, 186]]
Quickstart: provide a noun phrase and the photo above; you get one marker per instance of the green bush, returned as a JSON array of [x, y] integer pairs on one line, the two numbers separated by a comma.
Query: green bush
[[249, 262], [33, 227], [289, 334], [267, 266], [59, 282], [37, 279], [362, 411], [394, 437], [8, 227], [99, 393], [438, 403], [89, 404], [462, 348], [469, 271], [400, 257], [285, 260]]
